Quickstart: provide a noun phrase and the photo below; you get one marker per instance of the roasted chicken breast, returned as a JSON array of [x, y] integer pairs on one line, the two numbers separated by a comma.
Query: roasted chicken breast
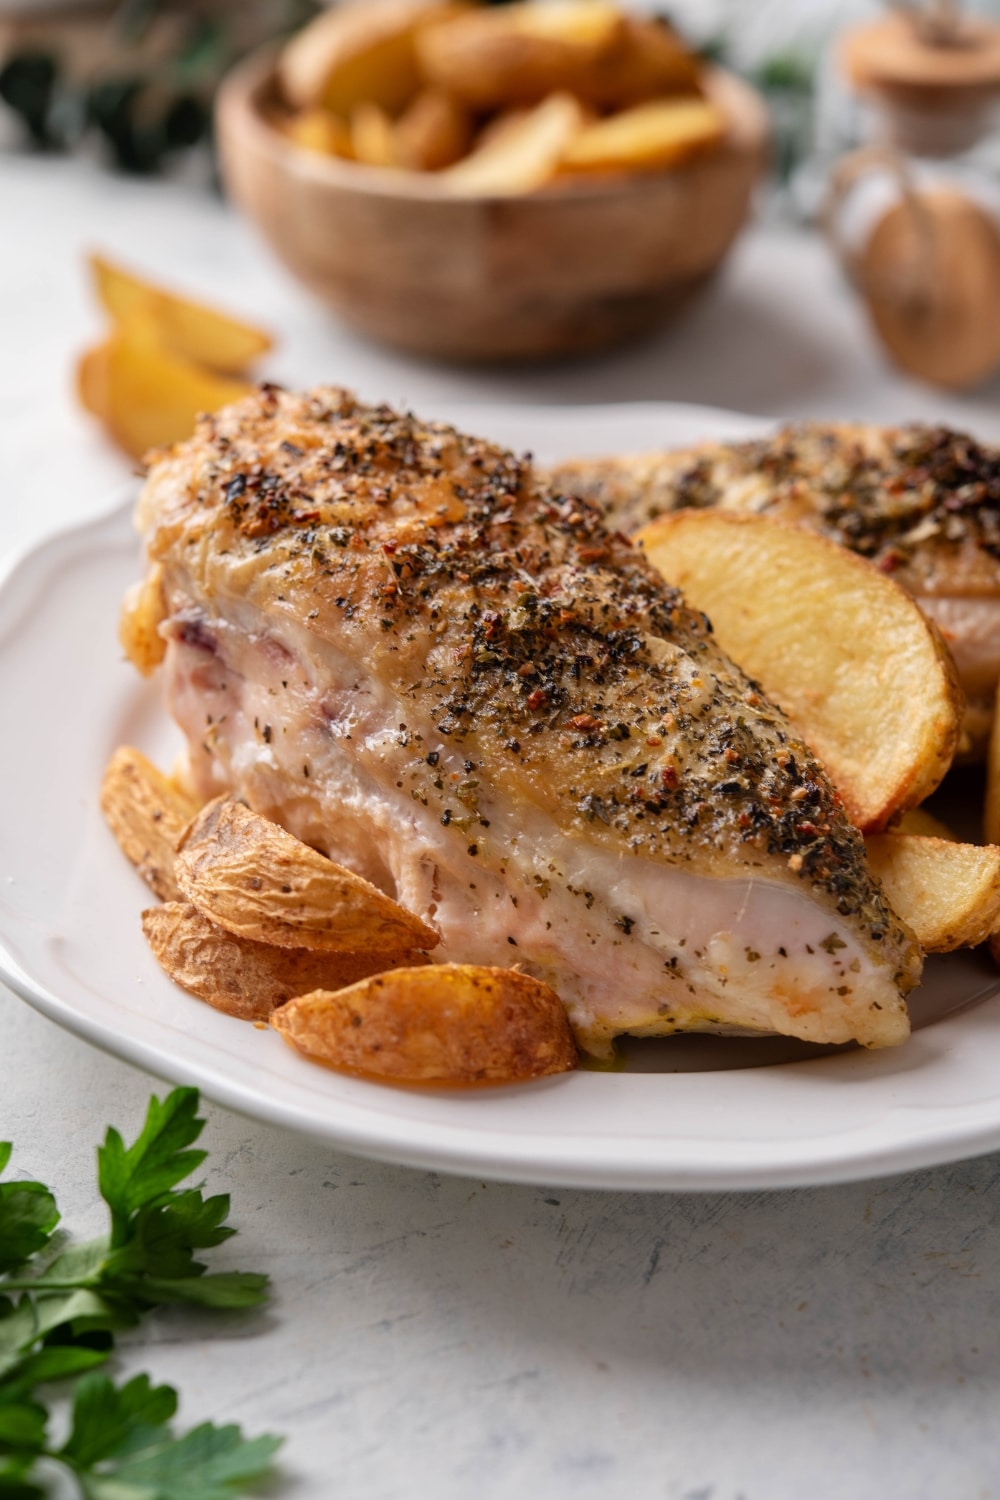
[[397, 642], [923, 503]]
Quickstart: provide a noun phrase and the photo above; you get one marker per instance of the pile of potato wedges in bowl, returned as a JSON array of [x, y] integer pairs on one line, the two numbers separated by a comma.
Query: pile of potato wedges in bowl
[[508, 99], [481, 182]]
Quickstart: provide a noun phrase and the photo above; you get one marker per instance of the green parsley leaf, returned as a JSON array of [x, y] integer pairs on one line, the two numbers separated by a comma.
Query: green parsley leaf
[[61, 1302], [208, 1463], [143, 1174], [28, 1217], [107, 1417], [148, 1258], [22, 1427], [13, 1483], [121, 1439]]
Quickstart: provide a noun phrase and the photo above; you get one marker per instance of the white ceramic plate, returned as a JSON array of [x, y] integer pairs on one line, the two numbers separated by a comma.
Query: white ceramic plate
[[687, 1113]]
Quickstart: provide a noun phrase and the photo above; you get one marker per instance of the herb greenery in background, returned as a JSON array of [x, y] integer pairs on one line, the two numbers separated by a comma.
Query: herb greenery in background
[[152, 97], [61, 1304]]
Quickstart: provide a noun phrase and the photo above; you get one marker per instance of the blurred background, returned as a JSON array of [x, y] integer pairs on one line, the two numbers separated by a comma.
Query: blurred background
[[134, 79]]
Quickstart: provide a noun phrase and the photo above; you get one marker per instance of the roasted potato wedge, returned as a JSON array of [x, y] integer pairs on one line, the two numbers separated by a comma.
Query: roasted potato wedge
[[248, 875], [320, 131], [350, 55], [373, 139], [246, 979], [143, 611], [919, 820], [864, 677], [523, 156], [147, 813], [145, 395], [991, 810], [188, 329], [648, 61], [435, 132], [518, 54], [647, 138], [948, 893], [446, 1023]]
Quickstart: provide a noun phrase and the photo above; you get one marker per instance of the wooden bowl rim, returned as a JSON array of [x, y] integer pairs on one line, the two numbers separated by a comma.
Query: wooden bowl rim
[[239, 114]]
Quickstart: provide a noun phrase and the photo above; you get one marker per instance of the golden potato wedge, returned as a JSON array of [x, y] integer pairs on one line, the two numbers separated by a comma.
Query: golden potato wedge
[[248, 875], [143, 611], [373, 139], [991, 810], [435, 132], [919, 820], [647, 138], [948, 893], [147, 813], [188, 329], [320, 131], [352, 54], [146, 396], [518, 54], [246, 979], [648, 61], [525, 155], [446, 1023], [861, 673]]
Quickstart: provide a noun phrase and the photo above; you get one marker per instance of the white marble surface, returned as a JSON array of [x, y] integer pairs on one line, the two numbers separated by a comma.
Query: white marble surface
[[442, 1337]]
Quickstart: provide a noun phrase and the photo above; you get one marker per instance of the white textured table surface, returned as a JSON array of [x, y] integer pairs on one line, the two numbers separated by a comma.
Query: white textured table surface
[[441, 1337]]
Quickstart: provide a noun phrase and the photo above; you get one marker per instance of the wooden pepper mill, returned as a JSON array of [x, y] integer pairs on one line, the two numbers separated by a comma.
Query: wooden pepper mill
[[929, 269]]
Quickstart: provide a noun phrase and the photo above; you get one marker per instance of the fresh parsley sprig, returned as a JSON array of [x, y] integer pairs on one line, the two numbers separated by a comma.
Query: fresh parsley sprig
[[61, 1303]]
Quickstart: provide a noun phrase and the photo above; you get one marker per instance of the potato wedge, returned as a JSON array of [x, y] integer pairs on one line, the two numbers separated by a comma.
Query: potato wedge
[[352, 54], [919, 820], [862, 674], [518, 54], [147, 813], [435, 132], [948, 893], [373, 139], [248, 875], [143, 610], [647, 138], [320, 131], [188, 329], [649, 61], [523, 156], [447, 1023], [991, 809], [246, 979], [146, 396]]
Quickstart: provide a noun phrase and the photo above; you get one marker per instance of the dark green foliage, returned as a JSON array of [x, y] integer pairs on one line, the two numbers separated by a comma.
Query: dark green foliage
[[60, 1304]]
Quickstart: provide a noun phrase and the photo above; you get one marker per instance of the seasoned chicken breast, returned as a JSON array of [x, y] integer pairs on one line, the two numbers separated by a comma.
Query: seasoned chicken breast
[[922, 502], [397, 642]]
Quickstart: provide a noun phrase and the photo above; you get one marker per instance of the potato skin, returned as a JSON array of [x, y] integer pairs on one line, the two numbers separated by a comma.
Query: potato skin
[[245, 979], [435, 132], [446, 1023], [147, 813], [248, 875]]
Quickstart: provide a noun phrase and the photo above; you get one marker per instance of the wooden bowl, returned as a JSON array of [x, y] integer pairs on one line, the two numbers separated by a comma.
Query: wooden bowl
[[569, 269]]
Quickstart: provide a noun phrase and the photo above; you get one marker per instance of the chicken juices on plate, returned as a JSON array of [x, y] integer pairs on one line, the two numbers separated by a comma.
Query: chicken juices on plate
[[399, 643]]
